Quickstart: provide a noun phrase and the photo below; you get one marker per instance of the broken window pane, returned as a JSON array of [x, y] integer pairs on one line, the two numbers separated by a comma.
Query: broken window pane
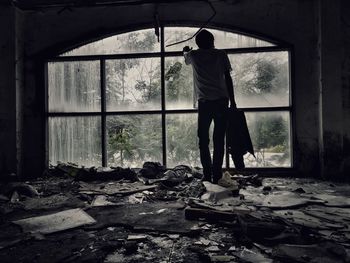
[[261, 79], [133, 140], [270, 134], [74, 86], [178, 84], [140, 41], [133, 84], [76, 140], [223, 39]]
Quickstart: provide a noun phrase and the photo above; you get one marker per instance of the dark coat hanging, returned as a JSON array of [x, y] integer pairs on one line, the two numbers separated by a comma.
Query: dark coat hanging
[[238, 138]]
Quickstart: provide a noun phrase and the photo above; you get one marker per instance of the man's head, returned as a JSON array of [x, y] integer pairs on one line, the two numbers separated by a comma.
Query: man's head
[[205, 39]]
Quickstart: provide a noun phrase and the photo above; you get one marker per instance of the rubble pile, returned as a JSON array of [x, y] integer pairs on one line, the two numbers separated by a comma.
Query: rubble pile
[[153, 214]]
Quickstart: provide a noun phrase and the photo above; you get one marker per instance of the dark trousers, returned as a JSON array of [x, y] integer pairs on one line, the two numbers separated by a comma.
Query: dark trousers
[[207, 112]]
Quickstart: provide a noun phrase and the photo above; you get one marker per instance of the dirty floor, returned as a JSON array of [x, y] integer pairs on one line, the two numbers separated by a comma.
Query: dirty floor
[[75, 214]]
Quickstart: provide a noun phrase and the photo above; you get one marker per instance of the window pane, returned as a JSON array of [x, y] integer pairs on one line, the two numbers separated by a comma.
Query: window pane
[[134, 139], [140, 41], [270, 134], [74, 86], [182, 140], [223, 39], [133, 84], [76, 140], [261, 79], [178, 84]]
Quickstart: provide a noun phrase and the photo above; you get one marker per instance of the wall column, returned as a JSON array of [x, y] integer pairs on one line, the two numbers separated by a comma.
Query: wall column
[[330, 96], [11, 90]]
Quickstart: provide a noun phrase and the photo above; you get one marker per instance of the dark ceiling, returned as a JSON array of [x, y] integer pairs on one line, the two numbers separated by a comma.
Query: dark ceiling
[[44, 4]]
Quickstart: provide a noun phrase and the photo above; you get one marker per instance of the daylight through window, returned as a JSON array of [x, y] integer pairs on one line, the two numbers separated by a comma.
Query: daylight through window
[[127, 99]]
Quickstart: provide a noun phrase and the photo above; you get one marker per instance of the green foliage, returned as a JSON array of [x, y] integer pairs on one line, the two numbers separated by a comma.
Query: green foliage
[[260, 75], [140, 41], [117, 69], [173, 76], [179, 82], [270, 132], [119, 140], [266, 73], [133, 138], [182, 139], [150, 91], [115, 79]]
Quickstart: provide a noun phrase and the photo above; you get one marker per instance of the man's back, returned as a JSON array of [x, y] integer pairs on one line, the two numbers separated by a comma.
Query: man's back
[[209, 66]]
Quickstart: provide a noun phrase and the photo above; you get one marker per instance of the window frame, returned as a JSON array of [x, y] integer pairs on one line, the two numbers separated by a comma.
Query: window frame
[[163, 112]]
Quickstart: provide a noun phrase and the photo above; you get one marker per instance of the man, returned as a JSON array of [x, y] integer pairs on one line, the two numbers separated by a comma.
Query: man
[[214, 89]]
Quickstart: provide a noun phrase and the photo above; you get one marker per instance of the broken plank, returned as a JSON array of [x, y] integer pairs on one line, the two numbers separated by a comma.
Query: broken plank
[[214, 215]]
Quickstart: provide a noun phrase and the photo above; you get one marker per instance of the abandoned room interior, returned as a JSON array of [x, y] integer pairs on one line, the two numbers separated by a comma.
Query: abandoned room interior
[[99, 157]]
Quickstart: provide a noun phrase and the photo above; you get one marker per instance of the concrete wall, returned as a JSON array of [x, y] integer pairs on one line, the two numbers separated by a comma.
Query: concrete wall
[[7, 92], [19, 86], [301, 23], [330, 114], [345, 84]]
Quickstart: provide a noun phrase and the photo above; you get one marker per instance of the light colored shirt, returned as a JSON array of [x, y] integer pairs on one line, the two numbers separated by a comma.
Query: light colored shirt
[[209, 67]]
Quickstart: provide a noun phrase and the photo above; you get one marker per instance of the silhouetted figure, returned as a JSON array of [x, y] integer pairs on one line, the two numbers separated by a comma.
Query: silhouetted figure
[[213, 89]]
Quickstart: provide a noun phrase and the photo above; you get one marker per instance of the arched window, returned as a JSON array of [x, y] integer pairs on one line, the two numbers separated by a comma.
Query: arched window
[[127, 99]]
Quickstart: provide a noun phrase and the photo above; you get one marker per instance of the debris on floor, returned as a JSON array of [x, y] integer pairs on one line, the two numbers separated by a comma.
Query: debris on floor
[[153, 214], [112, 188], [52, 223]]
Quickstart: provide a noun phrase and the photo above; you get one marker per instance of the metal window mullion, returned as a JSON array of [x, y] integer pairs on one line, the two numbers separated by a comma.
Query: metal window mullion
[[103, 111], [256, 50], [179, 111], [227, 154], [236, 51], [46, 109], [292, 126], [105, 57], [162, 74], [73, 114]]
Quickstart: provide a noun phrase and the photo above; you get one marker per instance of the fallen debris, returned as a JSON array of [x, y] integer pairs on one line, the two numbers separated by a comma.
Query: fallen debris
[[213, 249], [215, 192], [334, 200], [136, 237], [101, 200], [18, 187], [222, 258], [151, 170], [92, 173], [321, 252], [248, 255], [284, 200], [210, 215], [53, 202], [229, 183], [55, 222], [163, 215], [113, 188], [159, 217]]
